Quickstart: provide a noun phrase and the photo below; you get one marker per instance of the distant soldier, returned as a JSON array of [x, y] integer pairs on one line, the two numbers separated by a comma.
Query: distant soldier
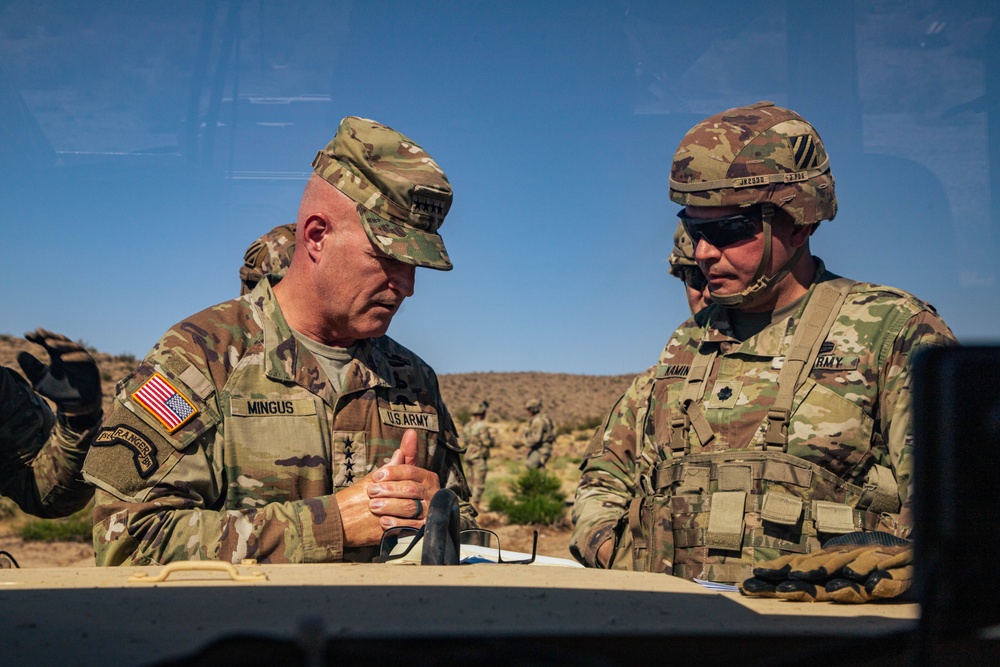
[[271, 254], [538, 436], [478, 442], [683, 266], [41, 454]]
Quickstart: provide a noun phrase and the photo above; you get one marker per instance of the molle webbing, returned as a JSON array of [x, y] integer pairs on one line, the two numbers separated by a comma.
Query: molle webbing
[[638, 536], [769, 466], [820, 313]]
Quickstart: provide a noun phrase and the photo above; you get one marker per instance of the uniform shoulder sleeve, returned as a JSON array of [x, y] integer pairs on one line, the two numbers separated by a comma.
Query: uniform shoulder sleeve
[[166, 404]]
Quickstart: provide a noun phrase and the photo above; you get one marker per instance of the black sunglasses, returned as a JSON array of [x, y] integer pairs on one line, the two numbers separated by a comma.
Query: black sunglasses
[[720, 232], [692, 277]]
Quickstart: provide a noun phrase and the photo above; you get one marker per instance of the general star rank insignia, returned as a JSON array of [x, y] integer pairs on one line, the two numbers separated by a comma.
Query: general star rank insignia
[[170, 407]]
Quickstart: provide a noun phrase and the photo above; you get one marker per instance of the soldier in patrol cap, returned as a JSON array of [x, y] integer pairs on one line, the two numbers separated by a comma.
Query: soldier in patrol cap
[[776, 423], [538, 435], [478, 441], [284, 425], [41, 453], [683, 266]]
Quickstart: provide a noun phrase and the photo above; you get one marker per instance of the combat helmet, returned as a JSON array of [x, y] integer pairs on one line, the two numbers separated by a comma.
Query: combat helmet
[[270, 254], [763, 155], [479, 409], [534, 405]]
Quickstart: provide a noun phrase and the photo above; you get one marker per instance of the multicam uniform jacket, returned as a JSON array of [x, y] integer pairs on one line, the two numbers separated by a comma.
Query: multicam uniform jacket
[[710, 510], [43, 477], [228, 441], [478, 441]]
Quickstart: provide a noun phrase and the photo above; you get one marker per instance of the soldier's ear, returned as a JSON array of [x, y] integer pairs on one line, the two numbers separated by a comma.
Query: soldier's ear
[[314, 234]]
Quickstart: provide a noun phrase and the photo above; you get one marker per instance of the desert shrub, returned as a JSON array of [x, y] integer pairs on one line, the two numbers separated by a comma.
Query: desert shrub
[[587, 424], [537, 499], [74, 528], [462, 416]]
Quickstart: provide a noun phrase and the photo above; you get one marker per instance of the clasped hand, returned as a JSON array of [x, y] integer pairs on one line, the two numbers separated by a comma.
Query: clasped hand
[[396, 494]]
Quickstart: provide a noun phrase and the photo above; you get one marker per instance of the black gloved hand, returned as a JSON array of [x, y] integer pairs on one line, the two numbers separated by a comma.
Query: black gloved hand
[[852, 568], [72, 381], [25, 424]]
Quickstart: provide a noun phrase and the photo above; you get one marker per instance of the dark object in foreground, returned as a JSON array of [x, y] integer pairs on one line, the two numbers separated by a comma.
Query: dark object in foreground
[[956, 472]]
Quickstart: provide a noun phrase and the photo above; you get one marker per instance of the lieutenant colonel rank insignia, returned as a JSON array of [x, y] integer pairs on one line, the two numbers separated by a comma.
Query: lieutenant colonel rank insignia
[[170, 407]]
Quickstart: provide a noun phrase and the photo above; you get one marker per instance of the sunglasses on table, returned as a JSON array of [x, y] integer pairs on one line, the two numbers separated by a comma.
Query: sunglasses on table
[[396, 543], [721, 232]]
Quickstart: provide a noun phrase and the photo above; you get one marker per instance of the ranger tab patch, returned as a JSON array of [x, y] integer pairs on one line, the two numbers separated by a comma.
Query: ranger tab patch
[[170, 407], [143, 451]]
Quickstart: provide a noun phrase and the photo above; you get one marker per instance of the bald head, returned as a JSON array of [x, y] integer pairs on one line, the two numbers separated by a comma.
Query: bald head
[[340, 287], [322, 199]]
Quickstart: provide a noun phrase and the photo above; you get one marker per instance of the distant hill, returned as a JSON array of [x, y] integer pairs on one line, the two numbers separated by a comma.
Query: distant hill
[[570, 400]]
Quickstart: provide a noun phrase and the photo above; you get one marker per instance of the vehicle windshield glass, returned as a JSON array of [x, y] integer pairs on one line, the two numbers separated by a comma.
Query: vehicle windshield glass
[[143, 146]]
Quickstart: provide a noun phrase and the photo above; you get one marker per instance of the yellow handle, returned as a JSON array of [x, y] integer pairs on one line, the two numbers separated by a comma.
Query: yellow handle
[[197, 566]]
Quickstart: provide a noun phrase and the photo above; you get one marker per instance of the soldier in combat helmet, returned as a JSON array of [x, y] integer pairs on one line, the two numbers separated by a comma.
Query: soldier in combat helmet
[[683, 266], [269, 255], [773, 436], [478, 442], [538, 435], [41, 453]]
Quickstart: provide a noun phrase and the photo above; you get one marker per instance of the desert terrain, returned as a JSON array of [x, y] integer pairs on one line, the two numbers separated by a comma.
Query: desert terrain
[[576, 403]]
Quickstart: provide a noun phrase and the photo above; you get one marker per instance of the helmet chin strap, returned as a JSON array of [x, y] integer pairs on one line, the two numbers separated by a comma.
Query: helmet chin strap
[[760, 283]]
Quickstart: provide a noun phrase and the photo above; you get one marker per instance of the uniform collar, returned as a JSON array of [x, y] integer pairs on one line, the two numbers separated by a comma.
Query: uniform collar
[[770, 341], [287, 360]]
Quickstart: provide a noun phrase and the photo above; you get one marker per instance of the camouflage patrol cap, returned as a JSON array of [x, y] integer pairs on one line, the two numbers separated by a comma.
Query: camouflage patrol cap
[[270, 254], [479, 408], [751, 155], [401, 193], [683, 252]]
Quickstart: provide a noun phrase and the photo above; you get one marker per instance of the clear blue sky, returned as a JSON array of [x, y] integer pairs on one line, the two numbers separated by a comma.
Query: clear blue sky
[[131, 184]]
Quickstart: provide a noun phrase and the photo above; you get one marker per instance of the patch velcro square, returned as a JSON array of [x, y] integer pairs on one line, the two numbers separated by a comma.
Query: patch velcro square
[[170, 407]]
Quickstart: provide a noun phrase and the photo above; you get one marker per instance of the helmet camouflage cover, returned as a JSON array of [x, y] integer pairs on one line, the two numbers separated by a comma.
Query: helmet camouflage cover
[[270, 254], [479, 408], [534, 405], [752, 155]]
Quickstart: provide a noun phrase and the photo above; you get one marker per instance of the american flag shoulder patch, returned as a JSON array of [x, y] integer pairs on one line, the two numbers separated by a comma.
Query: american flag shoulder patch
[[170, 407]]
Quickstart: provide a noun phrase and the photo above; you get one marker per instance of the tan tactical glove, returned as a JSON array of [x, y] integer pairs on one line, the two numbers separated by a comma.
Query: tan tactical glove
[[852, 568]]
